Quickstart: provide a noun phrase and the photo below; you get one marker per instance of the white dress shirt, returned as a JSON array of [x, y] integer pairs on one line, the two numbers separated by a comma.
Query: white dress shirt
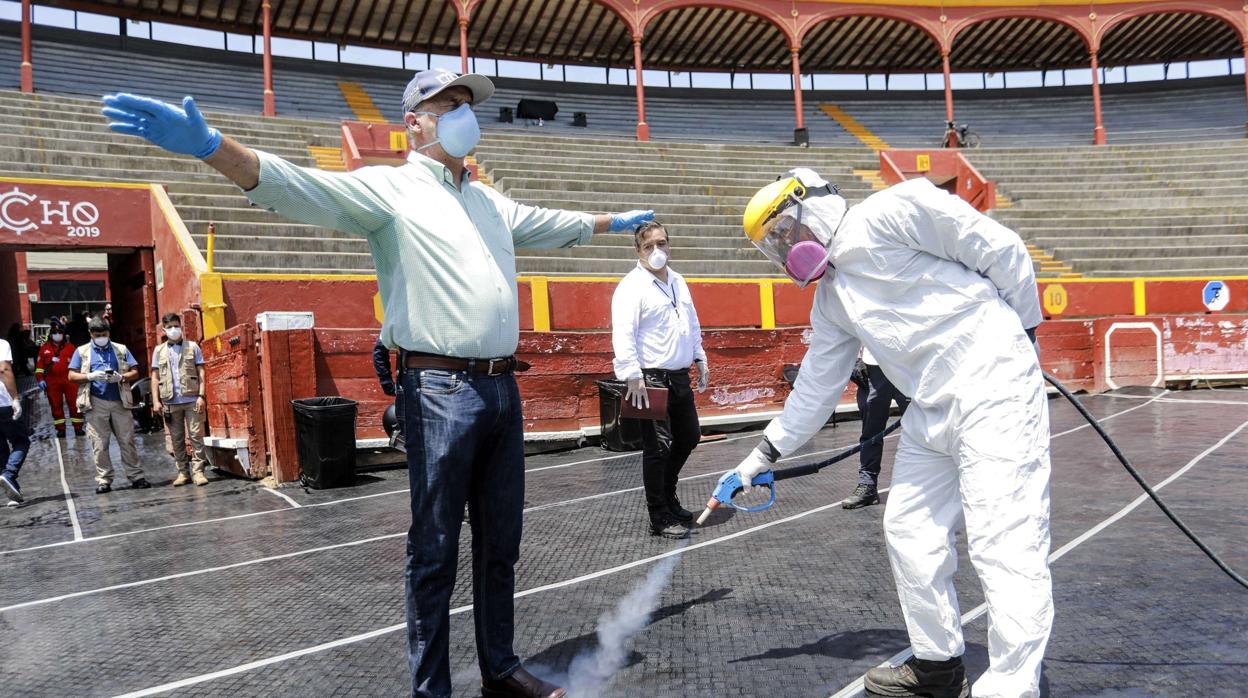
[[653, 324]]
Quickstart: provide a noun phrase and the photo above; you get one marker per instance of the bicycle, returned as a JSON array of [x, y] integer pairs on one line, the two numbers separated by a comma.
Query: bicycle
[[959, 136]]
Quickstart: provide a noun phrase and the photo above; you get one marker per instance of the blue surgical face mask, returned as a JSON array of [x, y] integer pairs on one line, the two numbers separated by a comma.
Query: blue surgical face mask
[[458, 131]]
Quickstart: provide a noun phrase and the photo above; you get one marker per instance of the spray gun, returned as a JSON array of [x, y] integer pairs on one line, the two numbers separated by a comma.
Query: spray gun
[[730, 484]]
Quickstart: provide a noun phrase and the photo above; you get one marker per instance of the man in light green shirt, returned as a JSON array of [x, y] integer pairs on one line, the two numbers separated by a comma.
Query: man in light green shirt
[[444, 248]]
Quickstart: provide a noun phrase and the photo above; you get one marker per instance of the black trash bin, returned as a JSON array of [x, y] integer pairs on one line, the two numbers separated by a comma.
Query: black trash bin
[[325, 440], [618, 433]]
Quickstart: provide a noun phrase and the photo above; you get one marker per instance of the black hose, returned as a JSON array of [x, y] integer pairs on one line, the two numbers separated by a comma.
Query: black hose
[[1239, 579], [812, 468]]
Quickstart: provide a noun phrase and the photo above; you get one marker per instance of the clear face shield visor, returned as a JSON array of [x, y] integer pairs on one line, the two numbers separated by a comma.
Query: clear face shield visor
[[798, 237]]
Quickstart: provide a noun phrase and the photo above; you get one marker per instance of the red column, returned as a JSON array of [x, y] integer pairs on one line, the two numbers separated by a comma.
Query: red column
[[643, 129], [1246, 74], [270, 106], [944, 60], [463, 44], [1098, 133], [28, 70], [797, 85]]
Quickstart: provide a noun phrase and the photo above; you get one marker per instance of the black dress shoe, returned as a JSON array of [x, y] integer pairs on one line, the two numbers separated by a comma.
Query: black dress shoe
[[680, 513], [103, 489], [141, 484], [60, 434], [521, 684]]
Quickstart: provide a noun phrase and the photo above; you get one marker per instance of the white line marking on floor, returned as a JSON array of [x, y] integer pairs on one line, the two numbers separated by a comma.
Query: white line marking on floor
[[309, 551], [345, 500], [275, 511], [461, 609], [202, 522], [1179, 400], [69, 497], [631, 453], [540, 507], [856, 688], [275, 493], [202, 678], [194, 573]]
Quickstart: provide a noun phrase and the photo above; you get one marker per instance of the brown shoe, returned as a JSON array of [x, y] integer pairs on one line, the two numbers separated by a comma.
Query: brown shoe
[[201, 479], [521, 684], [181, 479]]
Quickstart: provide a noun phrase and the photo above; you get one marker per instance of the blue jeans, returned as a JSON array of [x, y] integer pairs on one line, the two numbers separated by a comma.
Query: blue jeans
[[465, 443], [14, 442]]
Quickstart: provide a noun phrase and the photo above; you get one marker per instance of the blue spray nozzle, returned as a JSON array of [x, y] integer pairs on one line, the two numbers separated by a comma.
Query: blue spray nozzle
[[730, 485]]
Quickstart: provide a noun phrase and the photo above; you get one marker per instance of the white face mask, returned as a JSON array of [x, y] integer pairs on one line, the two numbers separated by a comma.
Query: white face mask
[[657, 259], [173, 333], [100, 342], [57, 338]]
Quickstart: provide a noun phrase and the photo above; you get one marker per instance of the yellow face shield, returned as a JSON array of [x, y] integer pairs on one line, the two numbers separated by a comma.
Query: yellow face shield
[[774, 222]]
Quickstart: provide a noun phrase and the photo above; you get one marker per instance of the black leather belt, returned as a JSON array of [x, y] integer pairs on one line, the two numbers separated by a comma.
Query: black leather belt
[[490, 367]]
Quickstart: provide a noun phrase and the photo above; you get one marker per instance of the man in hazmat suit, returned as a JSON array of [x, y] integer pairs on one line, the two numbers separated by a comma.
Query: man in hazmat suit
[[945, 299]]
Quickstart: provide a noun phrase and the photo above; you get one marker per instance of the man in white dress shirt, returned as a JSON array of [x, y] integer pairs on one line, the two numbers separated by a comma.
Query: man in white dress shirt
[[656, 336]]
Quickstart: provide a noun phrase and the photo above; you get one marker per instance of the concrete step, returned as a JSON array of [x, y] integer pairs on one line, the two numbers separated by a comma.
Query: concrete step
[[1223, 251], [1194, 265], [663, 176], [54, 106], [171, 164], [1129, 235], [1142, 218], [596, 251], [293, 261], [250, 243], [125, 152], [122, 146], [208, 181], [265, 225]]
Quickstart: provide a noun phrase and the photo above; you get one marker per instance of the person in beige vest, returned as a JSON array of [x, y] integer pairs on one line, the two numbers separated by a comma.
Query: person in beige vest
[[108, 368], [178, 394]]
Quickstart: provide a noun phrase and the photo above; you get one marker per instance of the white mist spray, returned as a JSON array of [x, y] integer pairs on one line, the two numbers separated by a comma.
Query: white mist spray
[[591, 670]]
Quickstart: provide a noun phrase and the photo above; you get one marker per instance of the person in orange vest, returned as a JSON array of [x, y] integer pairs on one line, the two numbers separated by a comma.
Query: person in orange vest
[[52, 372]]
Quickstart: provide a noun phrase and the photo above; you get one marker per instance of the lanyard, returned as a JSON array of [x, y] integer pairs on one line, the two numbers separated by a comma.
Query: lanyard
[[670, 298]]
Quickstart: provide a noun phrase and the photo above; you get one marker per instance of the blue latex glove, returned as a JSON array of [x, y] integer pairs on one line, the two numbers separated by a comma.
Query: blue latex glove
[[43, 385], [176, 130], [629, 220]]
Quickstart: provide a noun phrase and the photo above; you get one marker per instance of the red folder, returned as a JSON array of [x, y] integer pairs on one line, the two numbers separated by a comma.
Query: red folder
[[656, 410]]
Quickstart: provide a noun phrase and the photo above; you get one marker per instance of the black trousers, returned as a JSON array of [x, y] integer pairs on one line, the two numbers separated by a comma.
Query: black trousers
[[666, 445], [874, 404]]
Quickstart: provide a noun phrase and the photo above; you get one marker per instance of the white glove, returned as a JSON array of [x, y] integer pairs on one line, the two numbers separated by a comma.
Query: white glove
[[97, 376], [114, 377], [636, 394], [17, 409], [704, 376], [754, 464]]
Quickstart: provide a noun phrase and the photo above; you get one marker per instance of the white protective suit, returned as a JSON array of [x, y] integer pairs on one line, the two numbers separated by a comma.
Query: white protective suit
[[941, 295]]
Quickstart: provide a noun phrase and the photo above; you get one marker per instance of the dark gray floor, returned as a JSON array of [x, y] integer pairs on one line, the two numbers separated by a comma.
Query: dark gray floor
[[799, 603]]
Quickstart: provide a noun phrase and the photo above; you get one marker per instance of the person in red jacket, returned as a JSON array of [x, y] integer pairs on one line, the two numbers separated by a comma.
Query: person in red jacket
[[52, 372]]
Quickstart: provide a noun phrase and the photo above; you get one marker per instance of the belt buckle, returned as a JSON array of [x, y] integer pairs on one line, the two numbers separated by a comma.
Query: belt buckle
[[490, 369]]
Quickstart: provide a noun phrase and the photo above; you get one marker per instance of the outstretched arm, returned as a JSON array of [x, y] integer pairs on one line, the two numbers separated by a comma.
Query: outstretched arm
[[237, 162], [342, 201]]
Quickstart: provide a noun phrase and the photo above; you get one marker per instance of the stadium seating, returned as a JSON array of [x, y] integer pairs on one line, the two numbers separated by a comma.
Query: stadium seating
[[1129, 210], [1123, 210], [85, 64]]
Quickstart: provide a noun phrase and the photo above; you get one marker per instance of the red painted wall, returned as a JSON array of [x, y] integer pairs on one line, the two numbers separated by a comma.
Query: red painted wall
[[59, 215], [180, 288], [334, 303], [10, 300]]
